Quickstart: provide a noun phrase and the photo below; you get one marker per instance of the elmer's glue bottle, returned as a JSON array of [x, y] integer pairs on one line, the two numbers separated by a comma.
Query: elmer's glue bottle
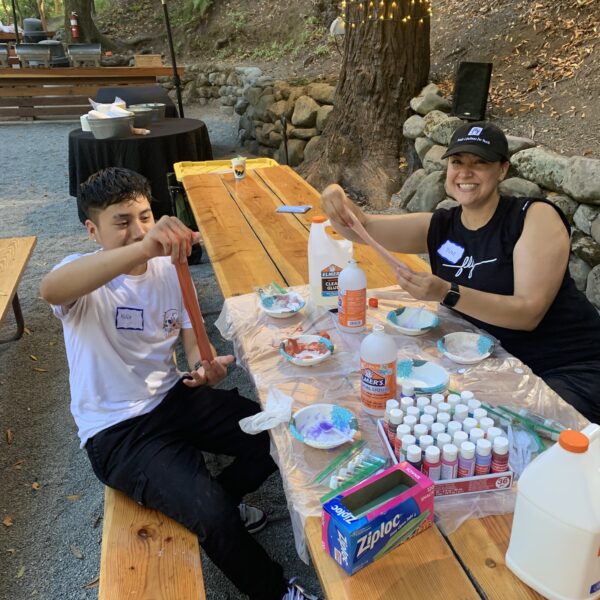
[[326, 259], [378, 362], [352, 298]]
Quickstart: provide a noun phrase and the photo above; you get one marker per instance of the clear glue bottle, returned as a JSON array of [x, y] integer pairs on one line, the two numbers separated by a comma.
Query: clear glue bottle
[[432, 466], [378, 362], [326, 259], [466, 460], [352, 298]]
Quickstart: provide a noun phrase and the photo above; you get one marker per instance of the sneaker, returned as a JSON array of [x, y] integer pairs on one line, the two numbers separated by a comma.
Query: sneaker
[[253, 518], [295, 592]]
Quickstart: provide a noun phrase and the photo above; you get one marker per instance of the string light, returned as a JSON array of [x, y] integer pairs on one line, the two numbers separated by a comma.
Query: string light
[[363, 11]]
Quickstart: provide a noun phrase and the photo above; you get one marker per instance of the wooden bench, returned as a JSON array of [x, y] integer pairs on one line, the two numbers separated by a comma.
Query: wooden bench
[[146, 555], [14, 256]]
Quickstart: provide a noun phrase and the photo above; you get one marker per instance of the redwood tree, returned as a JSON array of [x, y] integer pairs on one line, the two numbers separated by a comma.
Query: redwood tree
[[385, 64], [88, 32]]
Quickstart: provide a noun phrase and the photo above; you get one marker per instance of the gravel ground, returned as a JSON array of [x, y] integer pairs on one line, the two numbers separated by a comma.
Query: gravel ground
[[51, 504]]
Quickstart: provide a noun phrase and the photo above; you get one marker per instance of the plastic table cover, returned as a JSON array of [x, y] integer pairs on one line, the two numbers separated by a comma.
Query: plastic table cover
[[499, 380]]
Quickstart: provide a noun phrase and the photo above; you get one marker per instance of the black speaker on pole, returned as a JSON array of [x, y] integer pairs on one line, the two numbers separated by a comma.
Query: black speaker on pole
[[471, 87]]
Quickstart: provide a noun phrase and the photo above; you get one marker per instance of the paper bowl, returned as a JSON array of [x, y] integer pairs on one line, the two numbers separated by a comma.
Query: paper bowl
[[324, 426], [412, 321], [426, 377], [466, 348], [306, 358], [275, 306]]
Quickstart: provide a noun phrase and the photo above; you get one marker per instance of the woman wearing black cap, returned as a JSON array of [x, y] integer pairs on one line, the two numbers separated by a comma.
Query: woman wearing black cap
[[501, 262]]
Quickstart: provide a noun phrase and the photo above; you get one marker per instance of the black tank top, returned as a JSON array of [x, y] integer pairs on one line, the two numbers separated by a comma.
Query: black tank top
[[483, 260]]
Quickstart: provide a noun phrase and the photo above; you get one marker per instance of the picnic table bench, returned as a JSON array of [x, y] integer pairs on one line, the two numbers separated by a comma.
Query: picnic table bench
[[14, 256], [249, 245]]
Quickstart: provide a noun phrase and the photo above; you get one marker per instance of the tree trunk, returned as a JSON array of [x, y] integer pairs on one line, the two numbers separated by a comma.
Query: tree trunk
[[88, 32], [386, 62]]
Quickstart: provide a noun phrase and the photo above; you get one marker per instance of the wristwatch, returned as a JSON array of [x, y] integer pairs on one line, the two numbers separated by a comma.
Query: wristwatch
[[453, 295]]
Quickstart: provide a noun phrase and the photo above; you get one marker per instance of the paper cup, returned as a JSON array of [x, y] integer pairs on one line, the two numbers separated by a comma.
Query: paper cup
[[239, 167]]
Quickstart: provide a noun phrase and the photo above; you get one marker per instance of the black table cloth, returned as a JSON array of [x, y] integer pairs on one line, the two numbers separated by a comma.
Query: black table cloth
[[152, 155]]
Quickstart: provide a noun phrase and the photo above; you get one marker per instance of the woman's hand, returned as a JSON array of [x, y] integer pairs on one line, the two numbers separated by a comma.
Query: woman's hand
[[170, 237], [209, 373], [422, 286], [338, 207]]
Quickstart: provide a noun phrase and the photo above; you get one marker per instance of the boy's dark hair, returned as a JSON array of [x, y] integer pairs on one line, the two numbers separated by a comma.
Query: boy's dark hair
[[111, 186]]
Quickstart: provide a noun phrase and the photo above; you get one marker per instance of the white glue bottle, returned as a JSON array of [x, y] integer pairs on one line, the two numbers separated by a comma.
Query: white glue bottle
[[326, 259], [352, 298], [378, 362]]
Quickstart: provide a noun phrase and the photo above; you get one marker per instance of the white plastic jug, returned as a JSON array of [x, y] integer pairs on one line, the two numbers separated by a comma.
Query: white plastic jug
[[326, 259], [555, 538]]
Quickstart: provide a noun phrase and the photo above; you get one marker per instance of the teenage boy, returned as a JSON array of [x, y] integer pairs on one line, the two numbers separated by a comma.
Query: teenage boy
[[143, 426]]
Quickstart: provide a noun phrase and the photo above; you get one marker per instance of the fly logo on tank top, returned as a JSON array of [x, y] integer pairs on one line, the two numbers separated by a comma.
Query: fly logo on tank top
[[453, 252], [468, 264]]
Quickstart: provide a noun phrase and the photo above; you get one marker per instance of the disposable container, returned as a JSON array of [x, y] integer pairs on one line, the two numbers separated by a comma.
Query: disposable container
[[378, 362], [326, 259], [352, 298], [555, 538]]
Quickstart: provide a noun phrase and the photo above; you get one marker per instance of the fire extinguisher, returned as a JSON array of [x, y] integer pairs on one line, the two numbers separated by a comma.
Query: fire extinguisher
[[74, 26]]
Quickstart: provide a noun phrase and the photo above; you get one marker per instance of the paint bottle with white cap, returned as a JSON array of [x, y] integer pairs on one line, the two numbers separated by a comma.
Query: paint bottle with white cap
[[352, 298], [483, 457], [413, 456], [389, 405], [432, 466], [466, 460], [449, 461], [500, 455]]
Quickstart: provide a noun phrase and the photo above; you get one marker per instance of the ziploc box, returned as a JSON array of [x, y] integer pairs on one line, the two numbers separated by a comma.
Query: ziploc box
[[364, 522]]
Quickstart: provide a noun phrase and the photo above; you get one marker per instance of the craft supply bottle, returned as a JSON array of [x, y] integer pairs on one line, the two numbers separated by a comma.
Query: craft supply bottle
[[408, 390], [492, 433], [413, 456], [400, 433], [395, 420], [430, 410], [426, 420], [419, 430], [468, 424], [410, 421], [442, 440], [476, 434], [407, 440], [486, 423], [453, 400], [422, 402], [466, 460], [378, 362], [483, 457], [453, 427], [465, 396], [473, 404], [352, 298], [436, 399], [424, 442], [389, 405], [405, 402], [326, 259], [459, 437], [413, 411], [449, 461], [443, 418], [499, 455], [432, 466], [479, 413], [436, 429], [461, 412], [443, 407]]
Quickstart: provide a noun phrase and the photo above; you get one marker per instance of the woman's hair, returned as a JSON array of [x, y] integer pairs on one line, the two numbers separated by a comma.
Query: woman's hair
[[111, 186]]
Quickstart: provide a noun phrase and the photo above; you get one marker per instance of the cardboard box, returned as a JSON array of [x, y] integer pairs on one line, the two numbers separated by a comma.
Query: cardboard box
[[462, 485], [378, 514], [148, 60]]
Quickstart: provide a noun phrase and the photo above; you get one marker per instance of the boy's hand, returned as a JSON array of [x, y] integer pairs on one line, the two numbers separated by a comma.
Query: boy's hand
[[209, 373], [170, 237]]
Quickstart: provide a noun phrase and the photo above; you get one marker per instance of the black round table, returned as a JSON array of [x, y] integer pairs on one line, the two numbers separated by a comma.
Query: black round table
[[152, 155]]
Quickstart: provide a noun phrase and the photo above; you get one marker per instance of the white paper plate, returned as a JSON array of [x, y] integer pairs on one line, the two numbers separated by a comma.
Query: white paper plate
[[426, 377], [305, 360], [269, 305], [412, 321], [324, 426], [466, 348]]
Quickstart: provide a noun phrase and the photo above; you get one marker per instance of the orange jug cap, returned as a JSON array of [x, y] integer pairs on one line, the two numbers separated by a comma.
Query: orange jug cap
[[574, 441]]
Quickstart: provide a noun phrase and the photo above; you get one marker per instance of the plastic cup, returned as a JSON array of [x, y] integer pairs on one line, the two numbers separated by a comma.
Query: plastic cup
[[238, 164]]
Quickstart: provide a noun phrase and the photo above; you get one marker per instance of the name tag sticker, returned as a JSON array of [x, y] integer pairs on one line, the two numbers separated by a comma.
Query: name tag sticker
[[451, 252], [130, 318]]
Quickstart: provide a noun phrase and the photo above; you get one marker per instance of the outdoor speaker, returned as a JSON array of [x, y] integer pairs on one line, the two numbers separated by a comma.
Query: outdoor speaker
[[471, 87]]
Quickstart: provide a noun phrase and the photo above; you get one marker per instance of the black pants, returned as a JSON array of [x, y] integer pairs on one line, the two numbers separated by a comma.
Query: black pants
[[156, 459], [579, 385]]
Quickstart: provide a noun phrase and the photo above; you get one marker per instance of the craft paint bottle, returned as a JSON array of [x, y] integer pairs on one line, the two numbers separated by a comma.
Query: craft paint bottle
[[395, 420], [326, 259], [424, 442], [410, 421], [413, 411], [421, 403], [461, 412], [468, 424], [479, 413], [486, 423], [442, 440], [453, 400], [407, 440], [408, 390], [453, 427], [405, 402], [378, 362], [449, 462], [443, 407], [492, 433], [436, 429], [465, 396], [436, 399], [419, 429], [483, 457], [426, 420], [413, 456], [352, 298], [430, 410], [432, 466], [459, 437], [400, 433], [499, 455], [466, 460], [476, 434], [444, 419], [389, 405], [473, 404]]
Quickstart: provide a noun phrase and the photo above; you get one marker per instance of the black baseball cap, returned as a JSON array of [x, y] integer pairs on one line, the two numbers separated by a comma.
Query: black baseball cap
[[482, 139]]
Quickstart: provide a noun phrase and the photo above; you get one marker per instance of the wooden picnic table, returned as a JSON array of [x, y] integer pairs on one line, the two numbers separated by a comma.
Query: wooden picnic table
[[249, 244]]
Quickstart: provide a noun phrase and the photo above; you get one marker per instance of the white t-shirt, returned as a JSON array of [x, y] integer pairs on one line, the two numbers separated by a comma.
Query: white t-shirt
[[119, 341]]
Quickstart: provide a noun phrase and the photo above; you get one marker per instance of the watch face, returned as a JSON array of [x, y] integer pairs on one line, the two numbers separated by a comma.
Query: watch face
[[451, 298]]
